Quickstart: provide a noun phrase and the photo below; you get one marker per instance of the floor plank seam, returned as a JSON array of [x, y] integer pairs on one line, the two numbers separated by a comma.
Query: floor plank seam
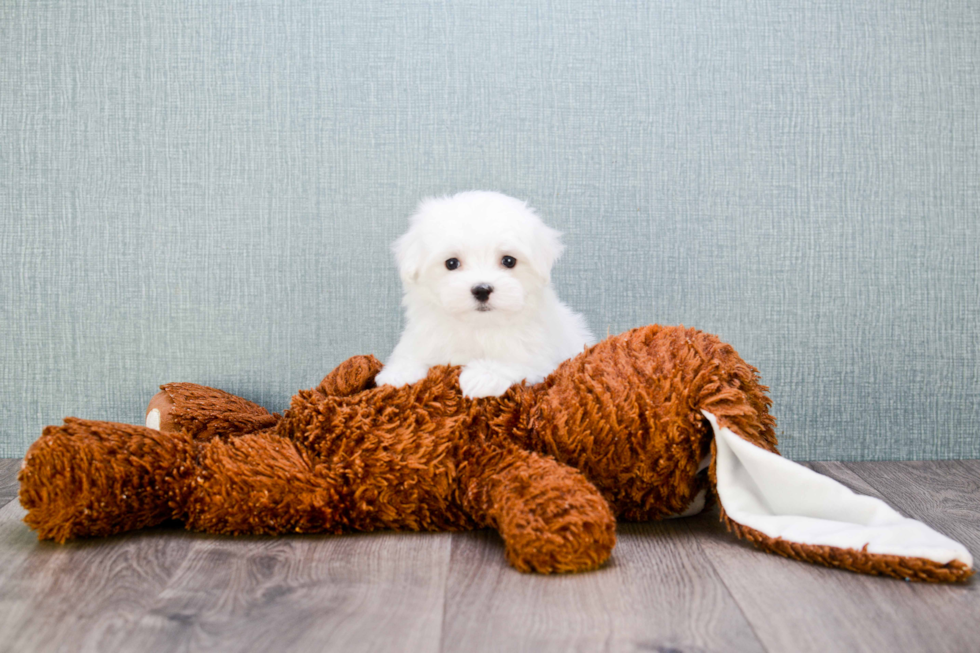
[[883, 491], [721, 578], [445, 593]]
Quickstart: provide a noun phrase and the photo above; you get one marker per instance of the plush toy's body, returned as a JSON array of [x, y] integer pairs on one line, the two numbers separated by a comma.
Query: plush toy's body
[[620, 431]]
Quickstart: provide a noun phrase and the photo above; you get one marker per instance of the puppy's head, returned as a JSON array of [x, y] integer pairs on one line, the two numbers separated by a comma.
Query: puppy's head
[[476, 255]]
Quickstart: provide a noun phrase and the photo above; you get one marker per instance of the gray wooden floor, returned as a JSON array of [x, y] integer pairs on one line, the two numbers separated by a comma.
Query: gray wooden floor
[[682, 585]]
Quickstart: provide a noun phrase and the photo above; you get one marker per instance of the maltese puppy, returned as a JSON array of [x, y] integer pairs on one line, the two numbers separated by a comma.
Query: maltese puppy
[[476, 270]]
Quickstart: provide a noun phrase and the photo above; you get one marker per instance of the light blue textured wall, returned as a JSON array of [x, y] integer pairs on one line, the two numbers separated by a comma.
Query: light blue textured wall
[[205, 192]]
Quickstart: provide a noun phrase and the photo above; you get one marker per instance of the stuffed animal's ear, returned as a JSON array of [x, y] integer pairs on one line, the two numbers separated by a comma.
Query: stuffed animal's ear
[[784, 507]]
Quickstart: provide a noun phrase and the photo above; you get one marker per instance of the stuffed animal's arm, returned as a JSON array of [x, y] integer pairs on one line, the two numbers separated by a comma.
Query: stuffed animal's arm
[[551, 518], [350, 377]]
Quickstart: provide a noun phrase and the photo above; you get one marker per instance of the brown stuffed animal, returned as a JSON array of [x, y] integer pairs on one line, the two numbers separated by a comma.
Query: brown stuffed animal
[[625, 430]]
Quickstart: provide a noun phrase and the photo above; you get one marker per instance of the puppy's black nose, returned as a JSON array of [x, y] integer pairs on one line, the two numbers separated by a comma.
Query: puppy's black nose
[[482, 291]]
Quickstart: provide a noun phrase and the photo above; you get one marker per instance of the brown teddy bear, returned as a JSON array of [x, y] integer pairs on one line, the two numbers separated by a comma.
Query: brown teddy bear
[[625, 430]]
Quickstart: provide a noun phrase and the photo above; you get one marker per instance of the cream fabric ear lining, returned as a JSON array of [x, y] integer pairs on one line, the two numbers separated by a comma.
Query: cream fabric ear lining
[[153, 419], [783, 499]]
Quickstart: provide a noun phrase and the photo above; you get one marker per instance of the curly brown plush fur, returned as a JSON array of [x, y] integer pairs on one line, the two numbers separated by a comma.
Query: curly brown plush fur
[[615, 432]]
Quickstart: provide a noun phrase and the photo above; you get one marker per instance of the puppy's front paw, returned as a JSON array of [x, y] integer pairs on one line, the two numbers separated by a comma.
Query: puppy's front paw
[[483, 379], [400, 374]]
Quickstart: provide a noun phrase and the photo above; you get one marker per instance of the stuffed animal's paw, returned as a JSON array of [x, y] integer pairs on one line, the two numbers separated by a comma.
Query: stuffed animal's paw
[[485, 378], [399, 374]]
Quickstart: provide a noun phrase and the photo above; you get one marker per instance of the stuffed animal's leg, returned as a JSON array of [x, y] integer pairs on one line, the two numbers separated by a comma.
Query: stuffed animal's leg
[[786, 508], [88, 478], [550, 517], [205, 412]]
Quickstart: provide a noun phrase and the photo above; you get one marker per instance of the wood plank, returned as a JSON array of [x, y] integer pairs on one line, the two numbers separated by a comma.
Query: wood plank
[[795, 606], [8, 479], [657, 593], [684, 584], [79, 596], [167, 589], [946, 496], [972, 465], [358, 592]]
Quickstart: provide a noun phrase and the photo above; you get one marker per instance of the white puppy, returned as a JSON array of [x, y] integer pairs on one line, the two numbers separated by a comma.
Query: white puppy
[[476, 270]]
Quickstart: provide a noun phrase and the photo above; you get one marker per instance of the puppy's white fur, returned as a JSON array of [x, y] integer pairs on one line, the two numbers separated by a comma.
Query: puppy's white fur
[[522, 331]]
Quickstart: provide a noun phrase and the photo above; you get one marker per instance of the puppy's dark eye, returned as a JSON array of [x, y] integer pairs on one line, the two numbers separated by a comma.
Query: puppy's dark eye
[[452, 263], [508, 261]]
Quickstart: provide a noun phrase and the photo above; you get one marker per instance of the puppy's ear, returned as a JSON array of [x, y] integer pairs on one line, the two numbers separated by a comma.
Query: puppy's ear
[[547, 248], [410, 255], [411, 251]]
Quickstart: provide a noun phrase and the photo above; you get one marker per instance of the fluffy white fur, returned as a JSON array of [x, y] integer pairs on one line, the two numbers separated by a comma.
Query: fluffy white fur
[[522, 331]]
